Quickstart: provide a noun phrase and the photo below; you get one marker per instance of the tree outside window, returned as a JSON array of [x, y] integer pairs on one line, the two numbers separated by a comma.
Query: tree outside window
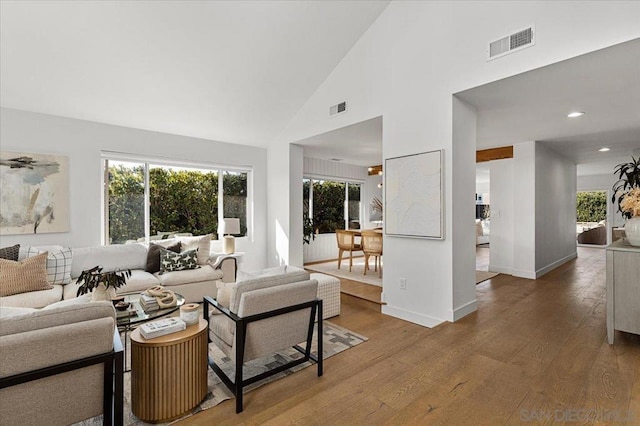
[[181, 200]]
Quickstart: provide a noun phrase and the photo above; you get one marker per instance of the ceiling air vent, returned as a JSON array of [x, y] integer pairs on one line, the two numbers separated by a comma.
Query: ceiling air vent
[[511, 43], [338, 108]]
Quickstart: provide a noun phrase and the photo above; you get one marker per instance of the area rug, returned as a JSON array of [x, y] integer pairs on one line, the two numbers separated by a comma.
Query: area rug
[[336, 339], [483, 276], [356, 274]]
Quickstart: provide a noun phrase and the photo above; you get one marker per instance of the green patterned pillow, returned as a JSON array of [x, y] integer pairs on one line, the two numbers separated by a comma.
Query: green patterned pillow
[[170, 261]]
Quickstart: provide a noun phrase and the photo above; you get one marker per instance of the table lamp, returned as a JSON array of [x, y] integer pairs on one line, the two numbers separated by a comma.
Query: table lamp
[[230, 226]]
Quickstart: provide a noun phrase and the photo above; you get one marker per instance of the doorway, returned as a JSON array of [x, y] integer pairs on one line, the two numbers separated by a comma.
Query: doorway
[[591, 218]]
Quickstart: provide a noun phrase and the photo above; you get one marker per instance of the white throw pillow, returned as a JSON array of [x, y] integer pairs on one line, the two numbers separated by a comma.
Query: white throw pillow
[[58, 264], [202, 243]]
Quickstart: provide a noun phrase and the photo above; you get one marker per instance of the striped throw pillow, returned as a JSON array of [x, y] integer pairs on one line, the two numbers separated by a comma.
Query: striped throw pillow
[[58, 264], [21, 277]]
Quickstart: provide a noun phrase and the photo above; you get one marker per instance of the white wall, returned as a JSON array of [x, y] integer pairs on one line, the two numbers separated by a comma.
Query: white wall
[[406, 68], [502, 225], [83, 142], [532, 211], [556, 183]]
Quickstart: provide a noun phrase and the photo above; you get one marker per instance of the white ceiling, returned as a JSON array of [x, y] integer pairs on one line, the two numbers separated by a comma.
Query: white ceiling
[[359, 144], [533, 106], [223, 70]]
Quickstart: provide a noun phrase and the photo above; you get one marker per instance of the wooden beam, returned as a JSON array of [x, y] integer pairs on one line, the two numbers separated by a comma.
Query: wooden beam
[[375, 170], [494, 154]]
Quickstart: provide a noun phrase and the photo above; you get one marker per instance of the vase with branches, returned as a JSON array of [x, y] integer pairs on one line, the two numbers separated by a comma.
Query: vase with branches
[[101, 285]]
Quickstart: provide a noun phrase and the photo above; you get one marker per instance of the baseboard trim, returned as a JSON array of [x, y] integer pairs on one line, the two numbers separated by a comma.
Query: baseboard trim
[[414, 317], [464, 310], [550, 267], [500, 269]]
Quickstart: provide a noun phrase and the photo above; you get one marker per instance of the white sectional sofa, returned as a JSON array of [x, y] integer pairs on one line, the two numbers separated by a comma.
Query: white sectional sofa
[[193, 284]]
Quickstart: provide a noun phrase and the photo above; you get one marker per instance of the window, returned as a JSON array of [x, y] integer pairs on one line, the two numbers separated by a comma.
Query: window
[[180, 199], [331, 204]]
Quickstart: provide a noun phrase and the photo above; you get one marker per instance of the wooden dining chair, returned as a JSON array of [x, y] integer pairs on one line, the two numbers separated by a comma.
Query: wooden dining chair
[[372, 246], [346, 242]]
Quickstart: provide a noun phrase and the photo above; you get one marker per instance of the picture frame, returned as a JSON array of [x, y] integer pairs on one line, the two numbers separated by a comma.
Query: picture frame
[[34, 193], [414, 195]]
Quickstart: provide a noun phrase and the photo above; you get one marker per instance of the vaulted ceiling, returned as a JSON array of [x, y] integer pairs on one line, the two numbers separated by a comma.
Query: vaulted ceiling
[[233, 71]]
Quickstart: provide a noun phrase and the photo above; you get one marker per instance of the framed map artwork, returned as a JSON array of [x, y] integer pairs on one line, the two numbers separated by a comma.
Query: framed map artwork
[[34, 193], [414, 196]]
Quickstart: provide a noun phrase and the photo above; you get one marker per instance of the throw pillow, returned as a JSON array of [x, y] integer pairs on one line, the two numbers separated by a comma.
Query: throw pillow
[[58, 264], [224, 294], [153, 255], [21, 277], [170, 261], [202, 243], [10, 253]]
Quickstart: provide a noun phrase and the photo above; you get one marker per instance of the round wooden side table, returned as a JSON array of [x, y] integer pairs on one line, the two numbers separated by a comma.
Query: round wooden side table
[[168, 373]]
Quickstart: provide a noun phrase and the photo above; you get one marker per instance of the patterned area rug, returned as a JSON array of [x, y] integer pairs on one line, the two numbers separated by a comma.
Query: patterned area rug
[[356, 274], [336, 339]]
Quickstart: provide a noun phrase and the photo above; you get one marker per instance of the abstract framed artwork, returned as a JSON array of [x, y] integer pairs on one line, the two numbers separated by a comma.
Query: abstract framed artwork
[[34, 193], [414, 196]]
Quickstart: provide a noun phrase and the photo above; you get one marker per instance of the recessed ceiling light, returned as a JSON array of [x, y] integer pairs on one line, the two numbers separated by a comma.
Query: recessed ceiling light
[[575, 114], [604, 149]]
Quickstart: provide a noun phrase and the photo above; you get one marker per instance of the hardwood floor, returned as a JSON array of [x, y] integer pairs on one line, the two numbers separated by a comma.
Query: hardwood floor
[[534, 351]]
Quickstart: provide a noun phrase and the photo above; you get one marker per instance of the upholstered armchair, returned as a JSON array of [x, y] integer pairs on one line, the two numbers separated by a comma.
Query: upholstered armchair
[[261, 314], [61, 365]]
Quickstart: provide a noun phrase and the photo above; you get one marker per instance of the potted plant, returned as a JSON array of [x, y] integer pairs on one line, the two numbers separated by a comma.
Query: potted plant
[[101, 285], [626, 191]]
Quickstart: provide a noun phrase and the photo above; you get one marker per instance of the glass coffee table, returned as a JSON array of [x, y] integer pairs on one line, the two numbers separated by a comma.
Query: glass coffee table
[[130, 320]]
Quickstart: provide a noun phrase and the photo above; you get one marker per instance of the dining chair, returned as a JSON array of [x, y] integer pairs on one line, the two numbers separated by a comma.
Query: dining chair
[[372, 246], [346, 242]]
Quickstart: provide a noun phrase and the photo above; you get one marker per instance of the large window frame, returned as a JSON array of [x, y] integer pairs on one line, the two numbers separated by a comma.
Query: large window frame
[[149, 162], [316, 178]]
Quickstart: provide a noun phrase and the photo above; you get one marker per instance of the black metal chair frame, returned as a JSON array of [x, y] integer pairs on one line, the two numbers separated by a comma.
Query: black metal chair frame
[[113, 362], [241, 329]]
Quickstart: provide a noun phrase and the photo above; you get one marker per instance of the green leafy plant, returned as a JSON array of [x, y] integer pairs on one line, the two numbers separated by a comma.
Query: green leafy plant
[[591, 206], [91, 278], [308, 233], [628, 179]]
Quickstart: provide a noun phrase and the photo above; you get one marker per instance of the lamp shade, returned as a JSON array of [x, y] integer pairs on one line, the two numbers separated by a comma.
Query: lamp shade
[[231, 226]]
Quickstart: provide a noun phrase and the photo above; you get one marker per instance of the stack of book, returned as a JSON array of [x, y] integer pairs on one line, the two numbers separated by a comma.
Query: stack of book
[[162, 327], [132, 310], [149, 303]]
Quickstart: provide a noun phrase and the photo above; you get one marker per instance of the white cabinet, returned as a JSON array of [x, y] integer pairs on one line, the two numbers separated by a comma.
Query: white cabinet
[[623, 288]]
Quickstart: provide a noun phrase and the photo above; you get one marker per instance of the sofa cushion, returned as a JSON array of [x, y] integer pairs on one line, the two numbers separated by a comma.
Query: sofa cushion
[[205, 273], [23, 276], [85, 298], [170, 261], [10, 253], [34, 299], [58, 264], [10, 311], [222, 327], [112, 258], [153, 255]]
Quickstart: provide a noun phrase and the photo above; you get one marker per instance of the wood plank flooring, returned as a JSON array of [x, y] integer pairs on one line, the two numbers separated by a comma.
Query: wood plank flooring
[[535, 351]]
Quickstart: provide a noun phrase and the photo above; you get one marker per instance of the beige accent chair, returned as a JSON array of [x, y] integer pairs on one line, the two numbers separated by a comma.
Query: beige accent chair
[[267, 312], [346, 242], [372, 246], [61, 365]]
